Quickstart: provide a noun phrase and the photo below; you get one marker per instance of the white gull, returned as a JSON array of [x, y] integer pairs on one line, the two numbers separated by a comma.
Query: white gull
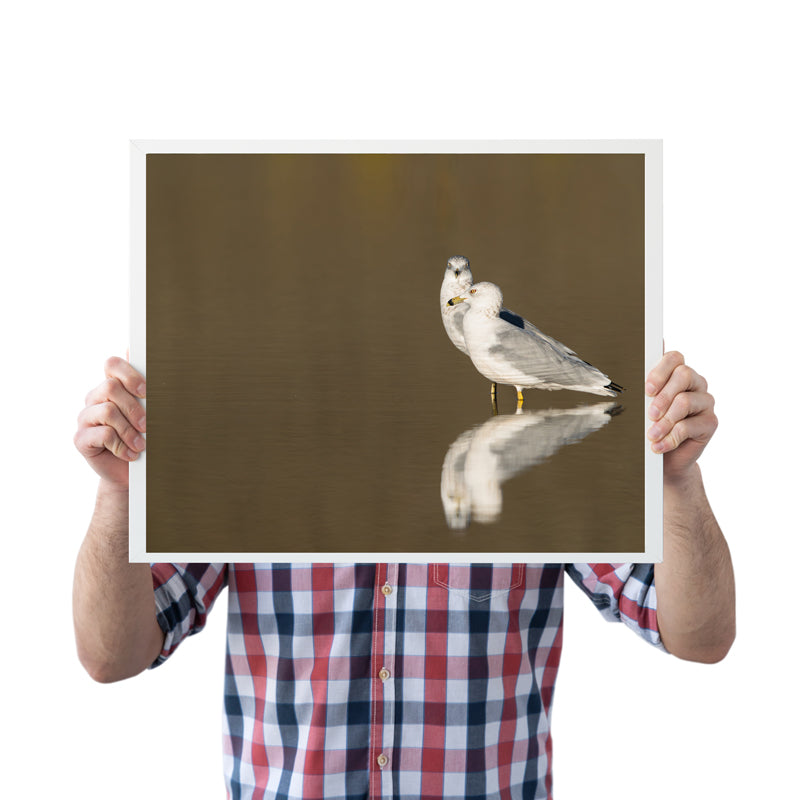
[[520, 356]]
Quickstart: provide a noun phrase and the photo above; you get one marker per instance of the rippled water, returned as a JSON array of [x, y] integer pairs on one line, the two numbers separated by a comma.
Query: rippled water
[[302, 392]]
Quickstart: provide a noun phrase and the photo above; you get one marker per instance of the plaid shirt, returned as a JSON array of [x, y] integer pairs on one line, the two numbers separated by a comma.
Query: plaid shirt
[[421, 681]]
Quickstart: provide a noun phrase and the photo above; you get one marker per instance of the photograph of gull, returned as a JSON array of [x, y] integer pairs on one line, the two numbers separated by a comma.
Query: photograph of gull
[[305, 419], [507, 349]]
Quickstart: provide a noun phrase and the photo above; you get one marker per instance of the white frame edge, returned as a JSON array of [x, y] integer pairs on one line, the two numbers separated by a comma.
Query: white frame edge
[[137, 470]]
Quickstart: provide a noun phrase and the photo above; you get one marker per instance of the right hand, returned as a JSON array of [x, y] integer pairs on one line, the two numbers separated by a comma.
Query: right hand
[[110, 426]]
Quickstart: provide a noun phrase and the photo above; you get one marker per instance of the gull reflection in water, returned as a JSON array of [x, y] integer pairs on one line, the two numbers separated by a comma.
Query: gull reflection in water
[[484, 457]]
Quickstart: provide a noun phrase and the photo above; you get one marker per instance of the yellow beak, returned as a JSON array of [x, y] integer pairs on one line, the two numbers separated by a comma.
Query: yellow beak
[[455, 300]]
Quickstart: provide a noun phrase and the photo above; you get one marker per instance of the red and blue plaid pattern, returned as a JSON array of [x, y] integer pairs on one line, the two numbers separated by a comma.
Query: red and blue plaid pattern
[[421, 681]]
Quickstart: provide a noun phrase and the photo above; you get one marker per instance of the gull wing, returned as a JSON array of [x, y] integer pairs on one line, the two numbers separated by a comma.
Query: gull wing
[[520, 322], [532, 353]]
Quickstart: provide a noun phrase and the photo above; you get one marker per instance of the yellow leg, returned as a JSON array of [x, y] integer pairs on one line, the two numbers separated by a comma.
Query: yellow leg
[[494, 392], [519, 398]]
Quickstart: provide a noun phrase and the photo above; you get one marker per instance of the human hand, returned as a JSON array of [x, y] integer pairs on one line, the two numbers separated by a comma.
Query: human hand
[[683, 414], [109, 427]]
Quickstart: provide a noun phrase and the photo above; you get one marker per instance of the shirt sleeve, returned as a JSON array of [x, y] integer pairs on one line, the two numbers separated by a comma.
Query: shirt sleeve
[[622, 593], [184, 595]]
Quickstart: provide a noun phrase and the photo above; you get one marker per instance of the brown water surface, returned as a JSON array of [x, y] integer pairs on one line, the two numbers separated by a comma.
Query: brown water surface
[[302, 393]]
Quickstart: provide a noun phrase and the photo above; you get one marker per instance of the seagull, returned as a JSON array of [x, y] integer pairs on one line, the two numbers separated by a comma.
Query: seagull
[[519, 356], [457, 280]]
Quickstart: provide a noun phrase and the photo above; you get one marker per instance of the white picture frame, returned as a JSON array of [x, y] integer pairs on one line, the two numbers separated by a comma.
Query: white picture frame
[[653, 192]]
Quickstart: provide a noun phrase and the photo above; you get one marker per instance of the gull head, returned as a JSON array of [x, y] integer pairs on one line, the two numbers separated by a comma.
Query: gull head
[[457, 276], [484, 297]]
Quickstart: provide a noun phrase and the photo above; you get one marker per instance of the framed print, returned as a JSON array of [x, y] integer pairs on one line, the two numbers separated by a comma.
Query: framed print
[[314, 394]]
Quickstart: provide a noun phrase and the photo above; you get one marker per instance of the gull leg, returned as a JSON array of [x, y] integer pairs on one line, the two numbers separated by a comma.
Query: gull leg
[[520, 399], [494, 399]]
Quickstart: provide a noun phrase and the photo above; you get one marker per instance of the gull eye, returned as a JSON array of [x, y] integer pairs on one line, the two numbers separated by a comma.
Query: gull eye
[[472, 291]]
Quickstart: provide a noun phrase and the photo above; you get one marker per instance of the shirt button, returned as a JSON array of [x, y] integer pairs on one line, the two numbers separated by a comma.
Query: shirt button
[[384, 674], [386, 589], [382, 760]]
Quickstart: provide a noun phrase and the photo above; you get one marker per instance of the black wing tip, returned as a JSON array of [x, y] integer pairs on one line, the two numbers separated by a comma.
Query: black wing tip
[[512, 318], [615, 387]]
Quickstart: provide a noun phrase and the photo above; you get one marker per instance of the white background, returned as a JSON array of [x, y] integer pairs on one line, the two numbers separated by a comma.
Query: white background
[[715, 81]]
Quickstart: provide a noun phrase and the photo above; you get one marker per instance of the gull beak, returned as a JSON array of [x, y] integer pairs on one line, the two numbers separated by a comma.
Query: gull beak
[[456, 300]]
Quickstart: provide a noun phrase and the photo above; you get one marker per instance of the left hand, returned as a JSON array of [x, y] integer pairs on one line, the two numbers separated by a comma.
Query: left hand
[[682, 412]]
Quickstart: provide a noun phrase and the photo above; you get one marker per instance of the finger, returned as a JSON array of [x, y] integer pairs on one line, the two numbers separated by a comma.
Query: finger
[[131, 379], [112, 391], [109, 414], [699, 429], [95, 440], [682, 379], [659, 375], [685, 404]]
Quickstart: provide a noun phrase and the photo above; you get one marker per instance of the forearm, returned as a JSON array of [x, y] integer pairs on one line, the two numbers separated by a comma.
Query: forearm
[[113, 604], [694, 583]]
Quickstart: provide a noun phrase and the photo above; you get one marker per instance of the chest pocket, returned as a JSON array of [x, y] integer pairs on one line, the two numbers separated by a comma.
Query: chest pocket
[[479, 582]]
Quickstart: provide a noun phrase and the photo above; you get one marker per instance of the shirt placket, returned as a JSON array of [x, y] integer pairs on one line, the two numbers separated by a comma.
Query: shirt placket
[[382, 743]]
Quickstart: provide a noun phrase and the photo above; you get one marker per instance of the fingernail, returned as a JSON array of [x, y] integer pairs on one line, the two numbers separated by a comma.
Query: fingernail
[[138, 443], [141, 390], [653, 432], [650, 388], [659, 446], [141, 424], [131, 455], [653, 412]]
